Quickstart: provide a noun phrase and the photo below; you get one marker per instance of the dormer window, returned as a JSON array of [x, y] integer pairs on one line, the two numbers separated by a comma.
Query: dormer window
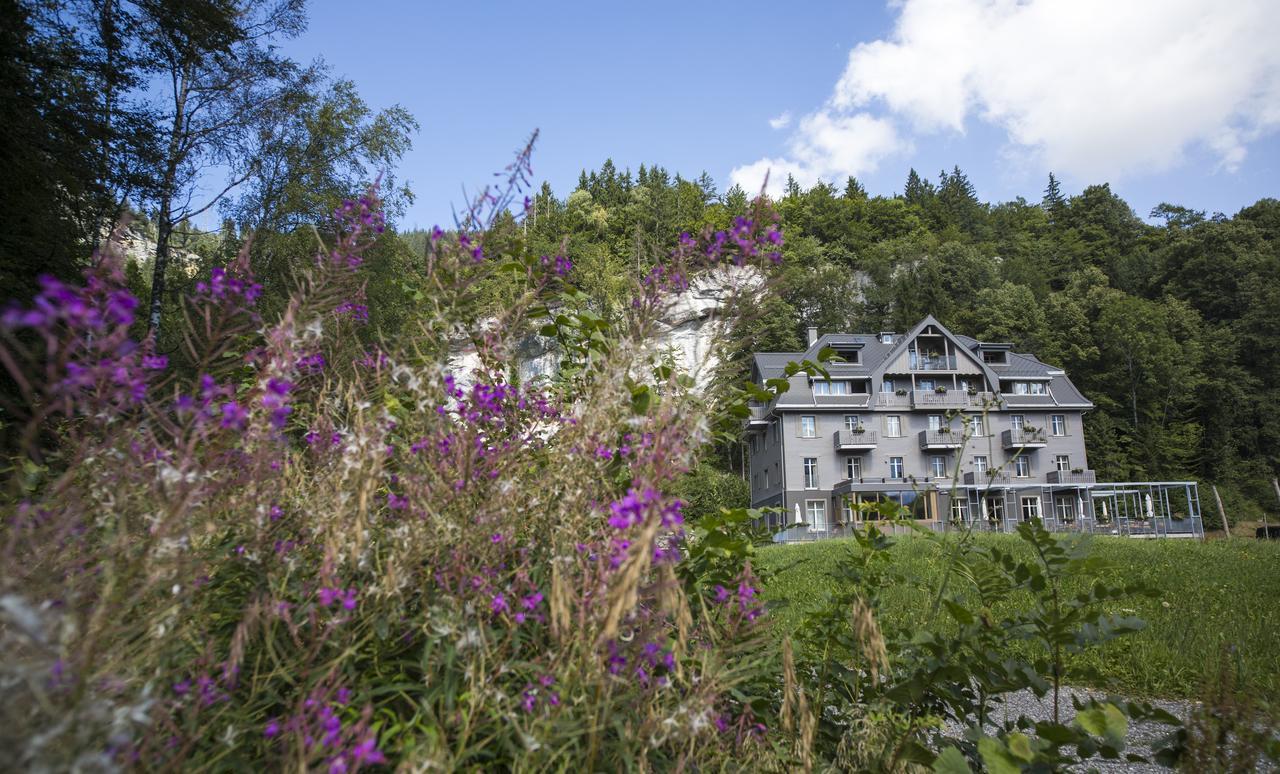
[[851, 356], [823, 387], [995, 357]]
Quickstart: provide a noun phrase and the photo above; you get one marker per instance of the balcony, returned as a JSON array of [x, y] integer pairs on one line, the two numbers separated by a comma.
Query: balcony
[[932, 362], [1023, 438], [939, 440], [1071, 477], [758, 416], [853, 440], [893, 399], [988, 478], [933, 399]]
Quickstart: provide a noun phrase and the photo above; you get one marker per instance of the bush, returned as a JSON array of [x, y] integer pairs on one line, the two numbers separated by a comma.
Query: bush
[[310, 553]]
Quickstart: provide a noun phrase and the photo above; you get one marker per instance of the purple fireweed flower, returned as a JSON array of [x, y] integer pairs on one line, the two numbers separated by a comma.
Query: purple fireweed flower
[[343, 695], [397, 502], [349, 599], [495, 537], [155, 362], [271, 729], [722, 594], [499, 603], [328, 596], [532, 601], [276, 512], [234, 416], [181, 687]]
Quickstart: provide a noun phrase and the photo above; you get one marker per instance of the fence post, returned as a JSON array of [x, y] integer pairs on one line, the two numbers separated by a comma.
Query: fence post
[[1223, 511]]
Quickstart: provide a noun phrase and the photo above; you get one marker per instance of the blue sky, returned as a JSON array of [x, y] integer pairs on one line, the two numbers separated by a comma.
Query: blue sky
[[1007, 91]]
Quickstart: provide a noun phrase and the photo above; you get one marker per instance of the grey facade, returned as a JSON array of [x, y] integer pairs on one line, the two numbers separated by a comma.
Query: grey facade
[[957, 430]]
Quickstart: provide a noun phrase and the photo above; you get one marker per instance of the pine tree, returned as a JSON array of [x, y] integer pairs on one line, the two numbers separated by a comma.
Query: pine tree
[[1053, 200], [853, 190], [917, 191]]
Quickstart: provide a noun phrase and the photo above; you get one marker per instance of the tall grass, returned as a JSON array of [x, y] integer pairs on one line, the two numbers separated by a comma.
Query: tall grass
[[1213, 596]]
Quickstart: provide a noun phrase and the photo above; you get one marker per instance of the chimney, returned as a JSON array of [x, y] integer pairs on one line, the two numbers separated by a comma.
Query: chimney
[[813, 335], [886, 337]]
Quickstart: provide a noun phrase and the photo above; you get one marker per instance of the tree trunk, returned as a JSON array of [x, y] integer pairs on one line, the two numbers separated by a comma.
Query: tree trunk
[[1223, 511], [164, 221]]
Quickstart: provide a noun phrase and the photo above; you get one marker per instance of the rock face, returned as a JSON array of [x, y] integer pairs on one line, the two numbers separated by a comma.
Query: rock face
[[687, 331]]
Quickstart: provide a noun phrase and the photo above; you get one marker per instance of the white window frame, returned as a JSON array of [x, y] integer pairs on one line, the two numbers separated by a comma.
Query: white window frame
[[766, 479], [960, 509], [1017, 422], [808, 426], [893, 426], [980, 463], [887, 386], [810, 467], [1029, 513], [1065, 508], [815, 512], [938, 466], [977, 426], [935, 423], [926, 385], [853, 467], [1022, 466], [901, 468], [852, 421], [1037, 388], [1062, 463], [1058, 424], [846, 509], [775, 428]]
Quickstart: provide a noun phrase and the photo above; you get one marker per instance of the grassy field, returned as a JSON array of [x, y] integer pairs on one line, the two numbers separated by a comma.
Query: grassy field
[[1215, 595]]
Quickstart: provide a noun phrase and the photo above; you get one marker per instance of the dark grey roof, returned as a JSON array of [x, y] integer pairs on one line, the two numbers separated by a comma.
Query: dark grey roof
[[873, 352]]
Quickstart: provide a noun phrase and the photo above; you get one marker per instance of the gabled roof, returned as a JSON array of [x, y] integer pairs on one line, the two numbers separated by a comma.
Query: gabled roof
[[875, 355]]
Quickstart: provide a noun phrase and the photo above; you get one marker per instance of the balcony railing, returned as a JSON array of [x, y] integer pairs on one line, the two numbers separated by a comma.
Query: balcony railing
[[853, 440], [894, 399], [941, 439], [949, 398], [988, 477], [1071, 477], [1022, 438], [932, 362]]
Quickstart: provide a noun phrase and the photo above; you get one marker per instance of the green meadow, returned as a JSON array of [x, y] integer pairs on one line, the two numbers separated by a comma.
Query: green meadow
[[1218, 602]]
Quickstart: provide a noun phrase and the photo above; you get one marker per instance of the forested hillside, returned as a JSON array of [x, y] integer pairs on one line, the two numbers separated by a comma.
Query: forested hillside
[[1171, 329]]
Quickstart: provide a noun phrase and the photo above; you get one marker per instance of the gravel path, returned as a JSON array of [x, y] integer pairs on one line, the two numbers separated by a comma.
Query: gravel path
[[1141, 735]]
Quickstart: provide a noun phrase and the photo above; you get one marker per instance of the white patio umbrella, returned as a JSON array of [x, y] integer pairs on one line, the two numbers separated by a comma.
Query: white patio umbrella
[[1080, 506], [799, 520], [1151, 512], [1105, 515], [983, 501]]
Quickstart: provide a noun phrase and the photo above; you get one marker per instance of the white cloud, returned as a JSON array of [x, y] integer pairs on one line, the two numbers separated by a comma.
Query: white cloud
[[782, 121], [824, 146], [1095, 89]]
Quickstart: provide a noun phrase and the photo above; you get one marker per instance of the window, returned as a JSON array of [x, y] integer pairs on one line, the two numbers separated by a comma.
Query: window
[[810, 472], [980, 463], [808, 427], [938, 466], [966, 385], [816, 511], [822, 387], [1030, 508], [893, 426], [935, 423], [774, 426], [852, 422], [993, 358], [1058, 423], [755, 444], [977, 427], [959, 510], [1039, 388], [887, 386], [925, 385], [766, 478], [895, 467], [1064, 509], [1030, 388], [853, 468], [846, 509], [755, 482], [1062, 463], [1022, 467], [995, 508], [1017, 421]]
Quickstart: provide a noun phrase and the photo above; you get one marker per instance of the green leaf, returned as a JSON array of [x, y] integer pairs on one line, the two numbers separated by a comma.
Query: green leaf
[[1020, 746], [996, 758], [951, 761]]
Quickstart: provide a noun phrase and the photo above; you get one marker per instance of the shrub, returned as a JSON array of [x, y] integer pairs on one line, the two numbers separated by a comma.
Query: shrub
[[306, 554]]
